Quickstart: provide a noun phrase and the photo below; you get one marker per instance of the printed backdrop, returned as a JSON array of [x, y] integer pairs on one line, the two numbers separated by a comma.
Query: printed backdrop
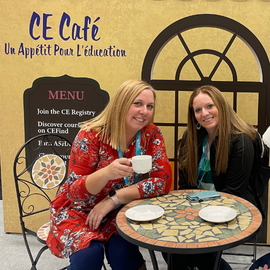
[[104, 40]]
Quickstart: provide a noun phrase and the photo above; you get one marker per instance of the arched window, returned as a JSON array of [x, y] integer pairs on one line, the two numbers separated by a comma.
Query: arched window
[[207, 49]]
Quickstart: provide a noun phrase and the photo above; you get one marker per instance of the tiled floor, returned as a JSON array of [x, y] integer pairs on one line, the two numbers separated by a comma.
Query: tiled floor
[[14, 256]]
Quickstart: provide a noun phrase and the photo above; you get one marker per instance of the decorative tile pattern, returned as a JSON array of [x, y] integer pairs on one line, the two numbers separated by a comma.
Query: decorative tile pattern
[[48, 171], [181, 226]]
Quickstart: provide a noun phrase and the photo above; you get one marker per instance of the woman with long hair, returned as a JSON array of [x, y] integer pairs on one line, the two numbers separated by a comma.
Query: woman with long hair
[[215, 153], [101, 179]]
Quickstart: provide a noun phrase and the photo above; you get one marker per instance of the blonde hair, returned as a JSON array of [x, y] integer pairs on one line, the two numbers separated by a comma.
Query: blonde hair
[[229, 123], [110, 124]]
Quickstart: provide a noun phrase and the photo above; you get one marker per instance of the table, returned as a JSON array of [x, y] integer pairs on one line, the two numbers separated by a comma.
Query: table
[[181, 230]]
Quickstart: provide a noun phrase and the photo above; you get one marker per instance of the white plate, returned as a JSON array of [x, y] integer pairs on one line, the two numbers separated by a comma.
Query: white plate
[[217, 214], [144, 212]]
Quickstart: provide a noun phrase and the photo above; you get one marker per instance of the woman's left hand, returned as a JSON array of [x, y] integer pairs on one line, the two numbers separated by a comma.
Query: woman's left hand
[[99, 211]]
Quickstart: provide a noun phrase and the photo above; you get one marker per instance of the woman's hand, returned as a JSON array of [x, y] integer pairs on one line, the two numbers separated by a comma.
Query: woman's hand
[[99, 211], [265, 267], [119, 168]]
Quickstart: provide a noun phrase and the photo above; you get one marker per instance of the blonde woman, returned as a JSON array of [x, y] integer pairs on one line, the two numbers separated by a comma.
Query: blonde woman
[[101, 179]]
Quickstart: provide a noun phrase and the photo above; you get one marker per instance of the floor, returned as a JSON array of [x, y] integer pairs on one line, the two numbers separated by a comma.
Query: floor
[[14, 256]]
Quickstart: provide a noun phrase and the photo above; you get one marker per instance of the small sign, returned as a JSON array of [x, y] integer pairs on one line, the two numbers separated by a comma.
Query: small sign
[[58, 104]]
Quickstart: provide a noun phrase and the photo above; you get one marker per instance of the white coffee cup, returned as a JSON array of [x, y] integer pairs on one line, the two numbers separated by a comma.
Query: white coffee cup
[[141, 164]]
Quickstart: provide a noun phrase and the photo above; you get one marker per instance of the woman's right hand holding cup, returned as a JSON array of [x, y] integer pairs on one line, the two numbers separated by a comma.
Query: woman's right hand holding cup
[[119, 168]]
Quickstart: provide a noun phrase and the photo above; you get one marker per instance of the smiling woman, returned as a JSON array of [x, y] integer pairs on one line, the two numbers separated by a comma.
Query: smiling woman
[[101, 180], [206, 113], [140, 113], [216, 151], [222, 138]]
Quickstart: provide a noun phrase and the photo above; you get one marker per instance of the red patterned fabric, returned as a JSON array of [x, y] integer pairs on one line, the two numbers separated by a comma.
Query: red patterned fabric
[[69, 210]]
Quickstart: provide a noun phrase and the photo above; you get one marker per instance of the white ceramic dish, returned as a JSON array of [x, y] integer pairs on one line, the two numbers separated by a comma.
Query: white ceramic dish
[[217, 214], [144, 212]]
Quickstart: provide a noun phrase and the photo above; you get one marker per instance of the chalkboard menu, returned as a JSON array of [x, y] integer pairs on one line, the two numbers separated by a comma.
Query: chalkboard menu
[[58, 104]]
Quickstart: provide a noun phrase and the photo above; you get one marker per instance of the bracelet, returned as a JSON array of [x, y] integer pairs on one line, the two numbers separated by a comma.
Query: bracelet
[[115, 200], [113, 196]]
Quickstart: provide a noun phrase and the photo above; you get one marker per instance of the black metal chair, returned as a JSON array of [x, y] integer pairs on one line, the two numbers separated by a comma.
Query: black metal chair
[[39, 170]]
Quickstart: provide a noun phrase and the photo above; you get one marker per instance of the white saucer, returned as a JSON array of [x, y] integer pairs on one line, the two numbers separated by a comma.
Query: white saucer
[[217, 214], [144, 212]]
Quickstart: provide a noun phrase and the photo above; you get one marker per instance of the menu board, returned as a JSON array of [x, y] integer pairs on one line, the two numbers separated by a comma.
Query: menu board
[[57, 105]]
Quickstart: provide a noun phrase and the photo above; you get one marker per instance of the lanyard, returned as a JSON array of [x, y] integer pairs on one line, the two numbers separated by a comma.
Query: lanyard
[[201, 162], [138, 152]]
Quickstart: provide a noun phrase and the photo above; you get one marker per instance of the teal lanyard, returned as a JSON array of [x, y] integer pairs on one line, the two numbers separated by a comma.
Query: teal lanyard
[[138, 152], [201, 162]]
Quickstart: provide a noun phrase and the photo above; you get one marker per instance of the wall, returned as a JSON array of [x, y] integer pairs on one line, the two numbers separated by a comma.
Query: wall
[[128, 25]]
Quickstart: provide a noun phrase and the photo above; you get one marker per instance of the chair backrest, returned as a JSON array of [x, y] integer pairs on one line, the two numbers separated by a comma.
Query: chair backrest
[[39, 169]]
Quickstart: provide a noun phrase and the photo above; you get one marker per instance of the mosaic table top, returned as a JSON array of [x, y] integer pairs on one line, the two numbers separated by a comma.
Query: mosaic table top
[[181, 230]]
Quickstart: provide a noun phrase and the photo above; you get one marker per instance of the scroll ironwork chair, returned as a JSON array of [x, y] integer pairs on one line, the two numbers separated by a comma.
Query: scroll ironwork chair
[[39, 170]]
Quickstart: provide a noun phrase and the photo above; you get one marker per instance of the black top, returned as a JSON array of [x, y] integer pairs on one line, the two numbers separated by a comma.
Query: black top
[[236, 179]]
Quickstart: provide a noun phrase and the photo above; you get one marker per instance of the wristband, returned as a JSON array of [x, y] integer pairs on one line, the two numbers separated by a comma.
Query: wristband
[[114, 197]]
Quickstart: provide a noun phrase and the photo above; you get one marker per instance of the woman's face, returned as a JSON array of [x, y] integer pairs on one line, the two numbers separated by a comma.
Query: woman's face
[[140, 112], [206, 112]]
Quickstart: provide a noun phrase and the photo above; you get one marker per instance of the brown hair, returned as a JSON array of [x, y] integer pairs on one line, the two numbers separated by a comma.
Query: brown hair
[[229, 123]]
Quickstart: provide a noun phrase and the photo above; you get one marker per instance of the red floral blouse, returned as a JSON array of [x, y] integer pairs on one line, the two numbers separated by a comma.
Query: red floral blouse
[[69, 210]]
